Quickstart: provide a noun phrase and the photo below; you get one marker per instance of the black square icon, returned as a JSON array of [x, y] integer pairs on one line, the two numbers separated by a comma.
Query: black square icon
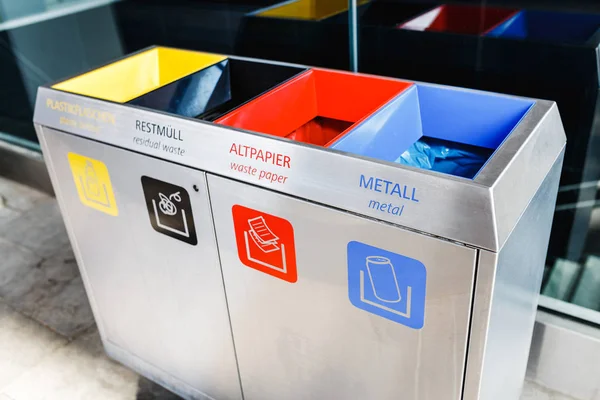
[[169, 209]]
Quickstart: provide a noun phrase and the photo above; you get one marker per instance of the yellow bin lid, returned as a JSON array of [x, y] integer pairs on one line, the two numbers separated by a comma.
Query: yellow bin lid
[[131, 77], [312, 10]]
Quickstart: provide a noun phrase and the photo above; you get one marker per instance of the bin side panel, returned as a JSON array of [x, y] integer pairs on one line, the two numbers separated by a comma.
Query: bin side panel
[[474, 118], [191, 95], [327, 323], [513, 189], [379, 136], [350, 97], [158, 294], [293, 103], [506, 298]]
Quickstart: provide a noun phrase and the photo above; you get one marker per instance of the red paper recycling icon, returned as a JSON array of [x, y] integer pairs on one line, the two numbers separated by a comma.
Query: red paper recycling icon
[[265, 242]]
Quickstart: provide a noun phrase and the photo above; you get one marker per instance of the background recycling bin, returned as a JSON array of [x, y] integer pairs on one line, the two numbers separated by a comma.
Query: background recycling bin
[[532, 53], [299, 246], [557, 59], [211, 26], [297, 31], [425, 41]]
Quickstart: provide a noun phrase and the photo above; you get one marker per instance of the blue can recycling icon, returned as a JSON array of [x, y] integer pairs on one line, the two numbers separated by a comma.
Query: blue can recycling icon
[[387, 284]]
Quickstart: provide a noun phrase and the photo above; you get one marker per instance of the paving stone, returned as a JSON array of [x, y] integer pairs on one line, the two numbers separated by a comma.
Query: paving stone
[[79, 370], [39, 229], [18, 197], [23, 344], [533, 391], [51, 292], [6, 213], [15, 259], [148, 390]]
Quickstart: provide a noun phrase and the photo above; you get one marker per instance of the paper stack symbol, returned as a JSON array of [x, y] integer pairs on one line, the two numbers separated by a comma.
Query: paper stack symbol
[[262, 235], [265, 242]]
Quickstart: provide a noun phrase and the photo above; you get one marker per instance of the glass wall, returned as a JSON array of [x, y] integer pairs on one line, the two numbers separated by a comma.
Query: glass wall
[[52, 40], [537, 48], [541, 49]]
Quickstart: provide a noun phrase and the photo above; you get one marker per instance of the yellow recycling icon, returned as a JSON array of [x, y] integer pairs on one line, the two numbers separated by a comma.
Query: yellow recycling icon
[[93, 183]]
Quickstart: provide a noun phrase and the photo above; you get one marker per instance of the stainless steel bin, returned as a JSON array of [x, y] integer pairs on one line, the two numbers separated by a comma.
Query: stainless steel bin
[[278, 265]]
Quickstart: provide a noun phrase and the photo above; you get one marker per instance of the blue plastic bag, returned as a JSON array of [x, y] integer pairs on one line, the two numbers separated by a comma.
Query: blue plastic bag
[[444, 156]]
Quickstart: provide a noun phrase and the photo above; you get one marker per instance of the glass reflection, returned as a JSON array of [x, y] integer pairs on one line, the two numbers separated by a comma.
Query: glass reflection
[[536, 49]]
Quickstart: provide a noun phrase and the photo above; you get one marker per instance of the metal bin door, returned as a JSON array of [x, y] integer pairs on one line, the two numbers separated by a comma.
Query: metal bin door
[[325, 304], [155, 284]]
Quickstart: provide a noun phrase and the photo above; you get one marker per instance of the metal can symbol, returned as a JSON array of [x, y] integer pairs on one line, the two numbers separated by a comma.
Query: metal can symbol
[[383, 279]]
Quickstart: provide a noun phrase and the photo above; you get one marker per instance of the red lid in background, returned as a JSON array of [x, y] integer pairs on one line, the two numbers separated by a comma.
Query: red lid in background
[[472, 20]]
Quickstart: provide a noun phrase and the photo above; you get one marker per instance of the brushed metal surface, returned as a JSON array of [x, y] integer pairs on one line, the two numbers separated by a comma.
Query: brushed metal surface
[[154, 373], [160, 299], [478, 212], [161, 306], [311, 175], [506, 298], [306, 340], [521, 164]]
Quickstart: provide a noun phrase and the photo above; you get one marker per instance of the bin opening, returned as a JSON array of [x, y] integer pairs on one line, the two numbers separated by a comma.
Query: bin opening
[[312, 10], [316, 106], [216, 90], [445, 156], [141, 73], [449, 130], [471, 20], [549, 26], [319, 131], [249, 79]]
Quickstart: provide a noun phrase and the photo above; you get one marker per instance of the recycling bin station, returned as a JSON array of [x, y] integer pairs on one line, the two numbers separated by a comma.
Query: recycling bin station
[[259, 230], [554, 55], [210, 26], [307, 31], [425, 41]]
